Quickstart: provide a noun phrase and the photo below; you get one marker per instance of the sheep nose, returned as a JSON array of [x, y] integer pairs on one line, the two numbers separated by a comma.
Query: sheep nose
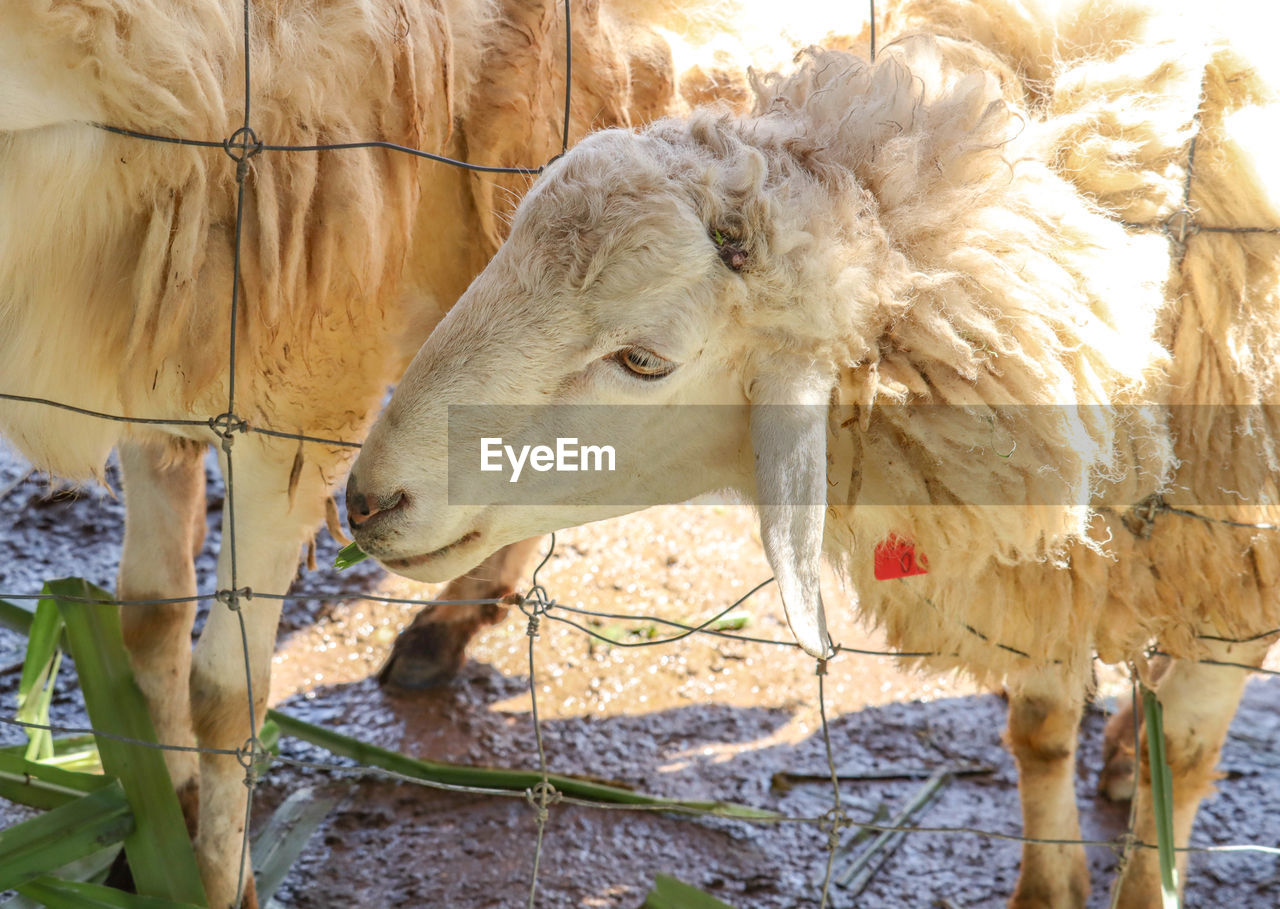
[[360, 507]]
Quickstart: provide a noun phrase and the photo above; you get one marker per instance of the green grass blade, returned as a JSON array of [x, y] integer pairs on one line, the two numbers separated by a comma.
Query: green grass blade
[[66, 745], [92, 867], [349, 555], [82, 760], [71, 752], [1161, 798], [43, 637], [15, 617], [35, 709], [280, 843], [60, 894], [79, 828], [43, 785], [159, 850], [269, 736], [493, 777], [39, 673], [670, 893], [732, 621]]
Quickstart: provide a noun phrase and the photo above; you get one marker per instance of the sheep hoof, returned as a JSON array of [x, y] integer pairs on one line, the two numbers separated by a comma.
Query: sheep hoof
[[433, 649], [120, 875], [426, 654], [1116, 779]]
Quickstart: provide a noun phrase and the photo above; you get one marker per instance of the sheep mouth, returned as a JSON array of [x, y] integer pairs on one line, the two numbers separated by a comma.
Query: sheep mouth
[[414, 561]]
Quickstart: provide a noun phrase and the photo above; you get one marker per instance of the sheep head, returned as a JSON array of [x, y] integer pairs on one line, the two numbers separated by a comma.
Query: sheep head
[[882, 235], [660, 288]]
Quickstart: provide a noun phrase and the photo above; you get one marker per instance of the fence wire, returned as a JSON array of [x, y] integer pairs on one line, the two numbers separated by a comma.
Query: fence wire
[[832, 824], [241, 147]]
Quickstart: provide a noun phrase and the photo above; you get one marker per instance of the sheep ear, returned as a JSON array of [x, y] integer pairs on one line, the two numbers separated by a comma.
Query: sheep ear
[[789, 438]]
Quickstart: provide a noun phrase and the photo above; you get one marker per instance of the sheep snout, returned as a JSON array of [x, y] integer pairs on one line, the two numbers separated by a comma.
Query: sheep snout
[[361, 507]]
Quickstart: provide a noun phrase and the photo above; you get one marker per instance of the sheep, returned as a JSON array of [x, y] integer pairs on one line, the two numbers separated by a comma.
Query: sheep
[[712, 48], [116, 276], [971, 221]]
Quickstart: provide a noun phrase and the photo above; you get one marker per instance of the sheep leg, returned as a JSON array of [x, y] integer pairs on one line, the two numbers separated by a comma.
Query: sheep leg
[[1045, 707], [432, 649], [233, 656], [1199, 701], [164, 529]]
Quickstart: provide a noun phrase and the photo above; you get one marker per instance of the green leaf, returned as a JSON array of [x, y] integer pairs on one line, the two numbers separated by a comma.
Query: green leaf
[[15, 617], [159, 850], [42, 644], [1161, 798], [280, 843], [93, 867], [42, 785], [59, 894], [64, 745], [731, 621], [39, 672], [349, 555], [670, 893], [494, 778], [35, 710], [72, 752], [53, 839], [269, 736], [84, 759]]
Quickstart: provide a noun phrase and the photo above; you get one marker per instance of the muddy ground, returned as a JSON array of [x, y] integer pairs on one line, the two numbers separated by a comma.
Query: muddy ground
[[699, 718]]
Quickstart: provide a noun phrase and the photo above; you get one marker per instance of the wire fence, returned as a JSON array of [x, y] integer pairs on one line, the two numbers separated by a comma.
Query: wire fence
[[836, 824]]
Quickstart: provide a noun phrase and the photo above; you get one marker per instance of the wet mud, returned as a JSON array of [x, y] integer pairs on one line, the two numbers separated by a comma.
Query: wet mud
[[699, 718]]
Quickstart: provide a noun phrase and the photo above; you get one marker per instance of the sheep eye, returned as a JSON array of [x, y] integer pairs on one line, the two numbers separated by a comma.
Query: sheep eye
[[644, 363]]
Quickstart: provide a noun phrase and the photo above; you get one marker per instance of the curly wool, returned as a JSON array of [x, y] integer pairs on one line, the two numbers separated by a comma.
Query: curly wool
[[1109, 107], [968, 231]]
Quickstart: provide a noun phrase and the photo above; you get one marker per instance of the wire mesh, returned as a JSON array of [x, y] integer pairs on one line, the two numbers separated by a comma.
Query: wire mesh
[[241, 147]]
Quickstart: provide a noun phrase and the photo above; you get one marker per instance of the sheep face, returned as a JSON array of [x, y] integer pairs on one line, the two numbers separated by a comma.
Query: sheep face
[[614, 306]]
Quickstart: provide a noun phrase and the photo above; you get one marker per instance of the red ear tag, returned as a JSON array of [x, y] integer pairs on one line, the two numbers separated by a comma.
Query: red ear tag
[[896, 558]]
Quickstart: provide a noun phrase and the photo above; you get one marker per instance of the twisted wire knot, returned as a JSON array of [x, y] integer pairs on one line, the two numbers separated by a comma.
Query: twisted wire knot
[[231, 598], [540, 797], [226, 425], [1140, 519], [831, 823], [1180, 225], [249, 755], [240, 146], [1125, 844], [534, 605]]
